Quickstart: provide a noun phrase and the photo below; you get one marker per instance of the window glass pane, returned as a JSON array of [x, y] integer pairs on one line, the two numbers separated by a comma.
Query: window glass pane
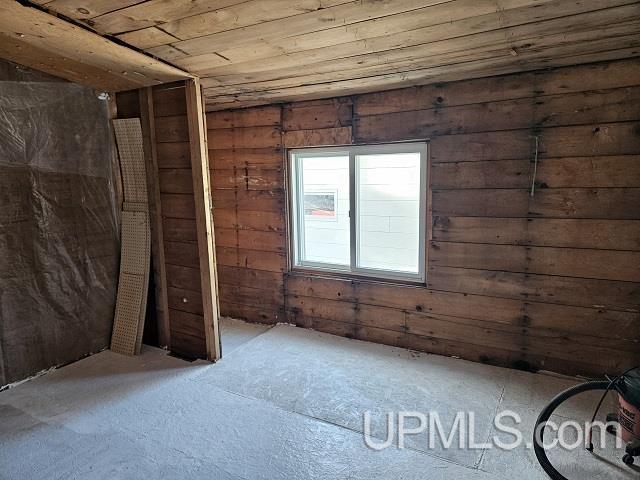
[[388, 206], [324, 230]]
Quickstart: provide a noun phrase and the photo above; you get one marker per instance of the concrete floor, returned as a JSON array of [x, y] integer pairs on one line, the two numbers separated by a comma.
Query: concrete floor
[[283, 403]]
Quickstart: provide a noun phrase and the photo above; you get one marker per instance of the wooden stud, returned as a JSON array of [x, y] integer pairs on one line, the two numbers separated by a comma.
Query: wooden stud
[[147, 120], [204, 220], [205, 154]]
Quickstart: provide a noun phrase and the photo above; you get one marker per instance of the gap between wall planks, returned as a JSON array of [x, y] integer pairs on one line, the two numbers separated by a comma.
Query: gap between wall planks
[[545, 282]]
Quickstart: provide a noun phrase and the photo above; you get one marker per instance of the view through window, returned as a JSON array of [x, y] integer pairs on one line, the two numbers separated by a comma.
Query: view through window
[[360, 209]]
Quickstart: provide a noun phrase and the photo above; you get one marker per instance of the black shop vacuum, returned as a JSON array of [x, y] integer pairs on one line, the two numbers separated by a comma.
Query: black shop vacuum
[[627, 418]]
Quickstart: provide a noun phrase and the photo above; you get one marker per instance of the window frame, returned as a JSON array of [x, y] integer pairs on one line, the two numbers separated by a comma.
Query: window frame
[[296, 215]]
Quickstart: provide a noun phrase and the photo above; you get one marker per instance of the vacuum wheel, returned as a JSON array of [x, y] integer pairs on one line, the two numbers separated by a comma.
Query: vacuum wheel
[[628, 459]]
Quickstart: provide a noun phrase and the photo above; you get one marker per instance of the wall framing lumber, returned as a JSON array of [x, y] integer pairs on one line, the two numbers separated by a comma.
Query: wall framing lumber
[[203, 217], [147, 120], [179, 321], [34, 38]]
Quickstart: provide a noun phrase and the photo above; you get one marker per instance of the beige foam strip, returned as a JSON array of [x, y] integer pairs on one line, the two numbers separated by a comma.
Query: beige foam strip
[[131, 304], [131, 153], [126, 323], [135, 241]]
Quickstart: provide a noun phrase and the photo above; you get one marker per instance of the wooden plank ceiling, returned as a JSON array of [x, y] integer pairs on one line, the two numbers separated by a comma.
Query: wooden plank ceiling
[[251, 52], [45, 42]]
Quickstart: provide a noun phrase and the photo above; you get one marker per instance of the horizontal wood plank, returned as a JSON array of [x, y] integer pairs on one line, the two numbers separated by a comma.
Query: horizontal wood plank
[[470, 147], [594, 322], [317, 137], [509, 358], [236, 157], [250, 117], [601, 106], [252, 314], [571, 141], [187, 323], [250, 277], [543, 343], [251, 239], [173, 155], [179, 229], [354, 313], [250, 200], [542, 232], [185, 300], [186, 278], [594, 172], [581, 78], [319, 114], [253, 259], [173, 128], [604, 203], [169, 101], [592, 293], [187, 346], [569, 262], [255, 297], [248, 178], [182, 253], [250, 137], [175, 180], [178, 206]]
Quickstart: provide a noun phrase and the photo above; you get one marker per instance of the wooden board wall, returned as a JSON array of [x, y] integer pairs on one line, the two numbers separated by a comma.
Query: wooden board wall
[[177, 211], [546, 281], [184, 291], [246, 160]]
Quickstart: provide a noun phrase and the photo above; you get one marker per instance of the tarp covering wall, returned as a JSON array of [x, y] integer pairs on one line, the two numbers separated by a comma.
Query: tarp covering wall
[[59, 241]]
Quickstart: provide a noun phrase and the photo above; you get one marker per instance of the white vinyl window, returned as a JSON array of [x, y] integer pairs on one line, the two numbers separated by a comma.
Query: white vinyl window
[[360, 209]]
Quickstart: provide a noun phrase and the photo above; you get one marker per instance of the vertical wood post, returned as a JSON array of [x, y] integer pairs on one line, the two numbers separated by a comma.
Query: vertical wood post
[[155, 215], [204, 221]]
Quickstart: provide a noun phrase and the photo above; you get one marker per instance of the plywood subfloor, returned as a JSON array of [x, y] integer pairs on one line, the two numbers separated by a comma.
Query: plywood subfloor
[[284, 403], [235, 333]]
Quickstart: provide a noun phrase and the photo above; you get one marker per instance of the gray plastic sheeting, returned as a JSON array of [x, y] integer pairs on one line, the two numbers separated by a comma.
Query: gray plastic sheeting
[[59, 242]]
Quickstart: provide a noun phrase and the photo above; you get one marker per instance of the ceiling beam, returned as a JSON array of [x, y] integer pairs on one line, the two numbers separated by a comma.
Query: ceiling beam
[[37, 39]]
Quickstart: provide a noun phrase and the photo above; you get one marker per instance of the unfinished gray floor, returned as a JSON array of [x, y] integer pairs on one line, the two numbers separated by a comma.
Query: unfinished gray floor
[[284, 403], [234, 333]]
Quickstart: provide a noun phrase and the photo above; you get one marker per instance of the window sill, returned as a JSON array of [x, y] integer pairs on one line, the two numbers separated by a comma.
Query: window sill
[[337, 275]]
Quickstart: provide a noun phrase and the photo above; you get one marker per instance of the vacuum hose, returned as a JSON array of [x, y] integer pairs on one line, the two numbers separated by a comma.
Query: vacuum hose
[[545, 415]]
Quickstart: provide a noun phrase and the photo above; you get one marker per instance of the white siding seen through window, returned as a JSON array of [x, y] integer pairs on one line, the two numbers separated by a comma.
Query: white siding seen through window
[[360, 209]]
